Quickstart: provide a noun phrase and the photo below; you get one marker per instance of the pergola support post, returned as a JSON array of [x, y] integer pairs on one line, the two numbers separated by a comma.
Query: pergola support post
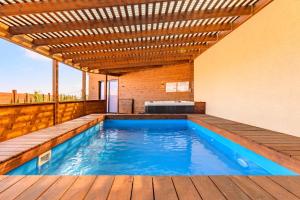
[[105, 94], [55, 91], [83, 91]]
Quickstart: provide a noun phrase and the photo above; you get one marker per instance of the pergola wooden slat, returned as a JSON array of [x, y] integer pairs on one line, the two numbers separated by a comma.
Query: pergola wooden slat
[[180, 49], [108, 63], [94, 24], [123, 36], [138, 64], [132, 35], [141, 44], [143, 57], [55, 6]]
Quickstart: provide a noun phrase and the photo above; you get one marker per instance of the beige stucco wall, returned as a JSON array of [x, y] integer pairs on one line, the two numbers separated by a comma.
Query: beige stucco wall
[[253, 75]]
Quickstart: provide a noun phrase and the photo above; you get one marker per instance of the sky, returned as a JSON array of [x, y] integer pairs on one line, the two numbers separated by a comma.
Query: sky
[[27, 71]]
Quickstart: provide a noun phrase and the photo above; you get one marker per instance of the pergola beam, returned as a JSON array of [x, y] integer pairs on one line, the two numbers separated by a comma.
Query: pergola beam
[[131, 35], [126, 62], [147, 43], [137, 64], [136, 58], [55, 87], [94, 24], [55, 6], [117, 58], [120, 71], [181, 50]]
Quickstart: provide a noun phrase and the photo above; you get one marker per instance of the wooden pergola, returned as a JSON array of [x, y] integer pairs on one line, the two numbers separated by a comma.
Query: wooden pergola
[[119, 36]]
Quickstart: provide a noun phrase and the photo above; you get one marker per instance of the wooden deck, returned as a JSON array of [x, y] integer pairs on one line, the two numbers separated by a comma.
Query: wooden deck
[[276, 146], [279, 147], [15, 152], [148, 188]]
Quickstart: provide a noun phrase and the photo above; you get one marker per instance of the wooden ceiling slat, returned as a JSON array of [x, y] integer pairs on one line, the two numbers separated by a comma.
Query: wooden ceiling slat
[[120, 71], [179, 50], [154, 55], [55, 6], [135, 44], [119, 36], [134, 59], [93, 24], [141, 64]]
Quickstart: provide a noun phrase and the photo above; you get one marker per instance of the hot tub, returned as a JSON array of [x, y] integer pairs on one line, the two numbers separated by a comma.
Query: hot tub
[[169, 107]]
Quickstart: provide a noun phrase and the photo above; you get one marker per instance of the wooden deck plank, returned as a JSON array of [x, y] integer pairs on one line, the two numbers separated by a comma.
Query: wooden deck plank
[[79, 188], [185, 188], [16, 189], [121, 188], [3, 177], [292, 153], [290, 183], [164, 188], [238, 127], [258, 133], [142, 188], [6, 183], [149, 188], [35, 190], [286, 148], [100, 188], [250, 188], [273, 188], [57, 190], [206, 188], [229, 188]]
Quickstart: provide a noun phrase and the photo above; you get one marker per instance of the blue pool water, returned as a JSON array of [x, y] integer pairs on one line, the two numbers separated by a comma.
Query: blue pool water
[[151, 147]]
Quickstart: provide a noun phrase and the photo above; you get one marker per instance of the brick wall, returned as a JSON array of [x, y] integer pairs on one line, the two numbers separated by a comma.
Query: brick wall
[[93, 85], [149, 85]]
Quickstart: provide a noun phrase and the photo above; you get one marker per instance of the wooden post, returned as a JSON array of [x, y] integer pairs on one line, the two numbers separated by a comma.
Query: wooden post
[[49, 97], [55, 90], [26, 98], [14, 96], [83, 91], [105, 93]]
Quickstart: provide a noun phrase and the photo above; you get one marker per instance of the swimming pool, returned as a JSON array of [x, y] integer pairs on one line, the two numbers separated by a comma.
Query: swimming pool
[[151, 147]]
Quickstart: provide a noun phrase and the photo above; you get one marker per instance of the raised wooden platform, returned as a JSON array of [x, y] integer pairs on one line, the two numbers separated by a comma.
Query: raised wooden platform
[[148, 188], [17, 151], [281, 148]]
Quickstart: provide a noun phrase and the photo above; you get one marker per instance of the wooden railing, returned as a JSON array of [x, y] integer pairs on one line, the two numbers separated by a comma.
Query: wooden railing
[[20, 119]]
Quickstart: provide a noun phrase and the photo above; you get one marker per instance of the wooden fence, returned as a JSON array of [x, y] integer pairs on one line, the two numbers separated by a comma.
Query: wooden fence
[[20, 119]]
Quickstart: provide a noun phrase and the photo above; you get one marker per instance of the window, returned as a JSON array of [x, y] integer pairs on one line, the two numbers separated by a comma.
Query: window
[[171, 87], [183, 86], [177, 86]]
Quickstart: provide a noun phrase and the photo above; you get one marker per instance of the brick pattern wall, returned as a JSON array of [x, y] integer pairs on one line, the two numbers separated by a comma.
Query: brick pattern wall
[[94, 85], [149, 85]]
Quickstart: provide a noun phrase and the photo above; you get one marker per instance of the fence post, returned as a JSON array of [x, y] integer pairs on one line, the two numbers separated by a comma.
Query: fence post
[[14, 96], [26, 98]]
